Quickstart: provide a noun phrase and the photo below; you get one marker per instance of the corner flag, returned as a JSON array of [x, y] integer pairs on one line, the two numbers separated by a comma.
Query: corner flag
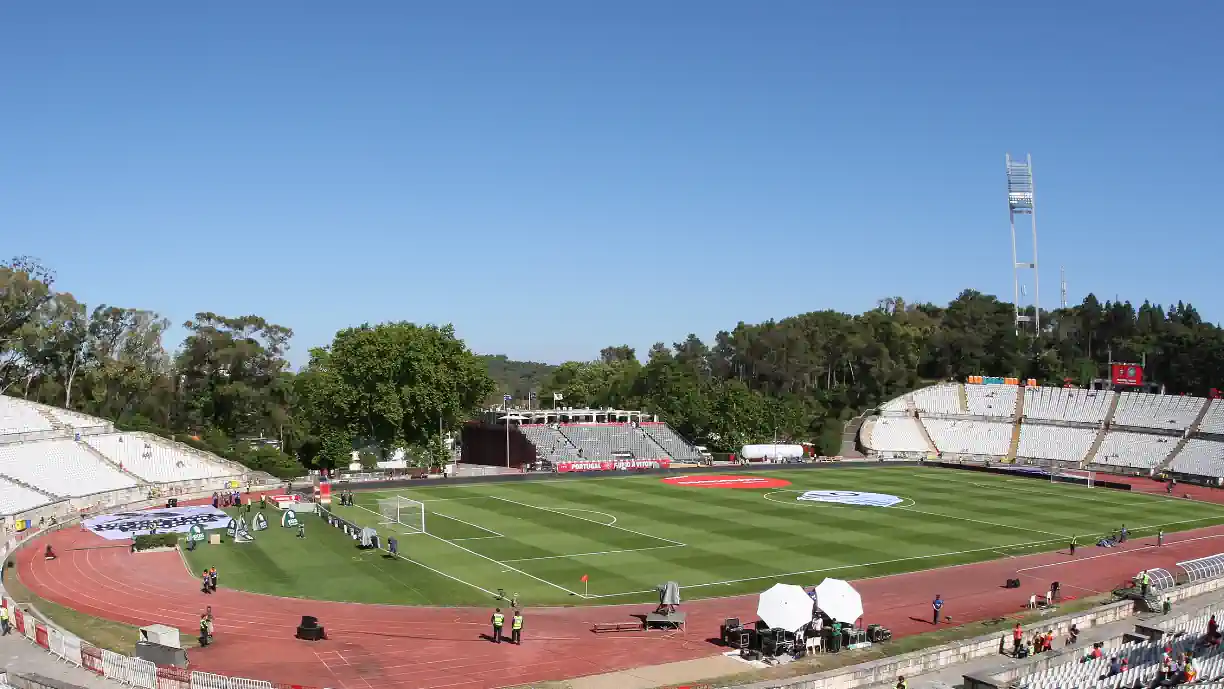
[[585, 585], [584, 579]]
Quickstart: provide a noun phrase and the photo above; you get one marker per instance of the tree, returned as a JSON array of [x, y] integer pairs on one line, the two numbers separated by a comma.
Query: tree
[[394, 384], [25, 286]]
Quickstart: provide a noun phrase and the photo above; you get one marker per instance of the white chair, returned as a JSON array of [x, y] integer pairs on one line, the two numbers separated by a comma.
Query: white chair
[[814, 644]]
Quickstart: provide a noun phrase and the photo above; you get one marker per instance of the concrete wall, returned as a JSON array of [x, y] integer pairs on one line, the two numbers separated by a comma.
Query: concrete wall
[[886, 670]]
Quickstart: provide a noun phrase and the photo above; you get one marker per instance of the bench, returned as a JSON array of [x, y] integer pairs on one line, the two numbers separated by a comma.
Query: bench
[[603, 627]]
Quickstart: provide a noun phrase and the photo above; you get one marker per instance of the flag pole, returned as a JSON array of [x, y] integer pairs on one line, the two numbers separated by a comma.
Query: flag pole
[[586, 588]]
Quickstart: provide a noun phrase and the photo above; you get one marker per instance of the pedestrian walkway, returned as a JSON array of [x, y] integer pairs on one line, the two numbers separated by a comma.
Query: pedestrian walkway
[[17, 654]]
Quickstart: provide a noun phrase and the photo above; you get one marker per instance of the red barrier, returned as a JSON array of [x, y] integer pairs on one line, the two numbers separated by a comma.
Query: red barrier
[[612, 465], [19, 620], [40, 636], [173, 678], [91, 659]]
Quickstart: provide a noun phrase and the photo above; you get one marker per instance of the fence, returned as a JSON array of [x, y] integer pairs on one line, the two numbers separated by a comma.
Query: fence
[[134, 672]]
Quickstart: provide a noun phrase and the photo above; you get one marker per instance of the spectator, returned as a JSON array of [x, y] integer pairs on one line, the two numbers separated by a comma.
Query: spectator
[[1072, 636]]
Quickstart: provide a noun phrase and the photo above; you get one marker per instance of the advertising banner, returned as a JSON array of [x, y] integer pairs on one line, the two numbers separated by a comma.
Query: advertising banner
[[613, 465], [123, 525], [1126, 374]]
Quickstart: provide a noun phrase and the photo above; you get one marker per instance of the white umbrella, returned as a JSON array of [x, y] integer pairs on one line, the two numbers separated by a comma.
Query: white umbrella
[[785, 606], [839, 600]]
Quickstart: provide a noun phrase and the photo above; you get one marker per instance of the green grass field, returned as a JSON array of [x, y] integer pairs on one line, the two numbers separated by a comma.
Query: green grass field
[[631, 533]]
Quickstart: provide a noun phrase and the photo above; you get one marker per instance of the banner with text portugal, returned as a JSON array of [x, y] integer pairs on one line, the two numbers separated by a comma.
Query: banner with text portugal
[[612, 464], [1127, 374]]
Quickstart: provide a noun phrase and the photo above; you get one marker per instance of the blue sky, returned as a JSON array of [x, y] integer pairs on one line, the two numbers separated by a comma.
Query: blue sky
[[553, 177]]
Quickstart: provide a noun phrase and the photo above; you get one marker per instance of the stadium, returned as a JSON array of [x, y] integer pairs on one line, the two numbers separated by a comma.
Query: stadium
[[625, 505]]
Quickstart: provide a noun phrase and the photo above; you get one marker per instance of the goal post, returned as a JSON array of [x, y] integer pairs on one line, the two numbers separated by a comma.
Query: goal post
[[1075, 476], [409, 515]]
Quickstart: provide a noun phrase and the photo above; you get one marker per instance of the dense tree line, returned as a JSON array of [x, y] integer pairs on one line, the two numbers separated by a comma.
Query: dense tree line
[[803, 377], [228, 387], [400, 385]]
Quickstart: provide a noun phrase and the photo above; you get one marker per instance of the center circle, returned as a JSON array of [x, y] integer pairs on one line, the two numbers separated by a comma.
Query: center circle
[[727, 481]]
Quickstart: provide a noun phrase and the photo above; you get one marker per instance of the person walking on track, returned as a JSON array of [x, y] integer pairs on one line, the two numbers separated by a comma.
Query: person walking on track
[[936, 607], [498, 620], [516, 628]]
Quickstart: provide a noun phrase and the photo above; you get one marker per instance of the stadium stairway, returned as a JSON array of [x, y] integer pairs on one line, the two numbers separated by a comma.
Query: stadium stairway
[[103, 458], [653, 442], [36, 489], [1014, 444], [1113, 408], [927, 436], [964, 398], [1096, 442], [850, 434], [52, 419]]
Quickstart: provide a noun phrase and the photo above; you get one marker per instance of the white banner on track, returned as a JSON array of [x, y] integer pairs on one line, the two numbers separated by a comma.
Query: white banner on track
[[122, 525]]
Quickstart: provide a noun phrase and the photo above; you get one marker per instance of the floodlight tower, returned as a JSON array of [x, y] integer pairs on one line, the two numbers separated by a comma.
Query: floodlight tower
[[1020, 201]]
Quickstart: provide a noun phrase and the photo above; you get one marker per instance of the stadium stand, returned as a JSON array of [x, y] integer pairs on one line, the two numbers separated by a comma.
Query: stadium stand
[[153, 461], [16, 416], [897, 404], [1067, 404], [1213, 420], [61, 467], [550, 443], [75, 420], [1143, 660], [679, 448], [606, 441], [897, 434], [1200, 457], [1135, 450], [938, 399], [970, 437], [15, 498], [1062, 443], [992, 400], [1167, 412]]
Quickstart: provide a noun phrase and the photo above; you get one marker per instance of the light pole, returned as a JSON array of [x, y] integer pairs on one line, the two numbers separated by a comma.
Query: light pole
[[506, 415]]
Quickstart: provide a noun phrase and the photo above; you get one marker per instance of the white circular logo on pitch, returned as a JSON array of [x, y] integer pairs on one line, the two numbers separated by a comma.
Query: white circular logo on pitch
[[849, 497]]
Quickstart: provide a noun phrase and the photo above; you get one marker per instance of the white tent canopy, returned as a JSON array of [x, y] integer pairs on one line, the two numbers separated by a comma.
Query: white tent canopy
[[839, 600], [785, 606]]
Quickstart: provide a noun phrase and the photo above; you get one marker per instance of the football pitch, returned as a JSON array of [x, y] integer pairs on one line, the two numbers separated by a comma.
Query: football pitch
[[628, 534]]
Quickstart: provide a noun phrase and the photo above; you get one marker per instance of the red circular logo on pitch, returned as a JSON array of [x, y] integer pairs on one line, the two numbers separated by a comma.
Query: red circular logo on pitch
[[727, 481]]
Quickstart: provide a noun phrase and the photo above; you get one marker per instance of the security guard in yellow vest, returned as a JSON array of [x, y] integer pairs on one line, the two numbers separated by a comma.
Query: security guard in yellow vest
[[901, 683], [499, 620], [516, 628]]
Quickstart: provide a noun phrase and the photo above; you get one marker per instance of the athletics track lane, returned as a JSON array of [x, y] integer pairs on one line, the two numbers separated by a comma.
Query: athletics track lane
[[390, 647]]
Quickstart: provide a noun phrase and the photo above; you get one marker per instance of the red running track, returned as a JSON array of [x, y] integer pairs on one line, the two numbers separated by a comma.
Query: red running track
[[394, 647]]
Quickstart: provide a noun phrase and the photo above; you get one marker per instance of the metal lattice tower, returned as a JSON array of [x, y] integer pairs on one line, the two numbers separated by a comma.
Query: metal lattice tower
[[1020, 201]]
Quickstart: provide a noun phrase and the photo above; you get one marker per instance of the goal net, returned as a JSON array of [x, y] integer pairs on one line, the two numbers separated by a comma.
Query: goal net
[[409, 515], [1075, 476]]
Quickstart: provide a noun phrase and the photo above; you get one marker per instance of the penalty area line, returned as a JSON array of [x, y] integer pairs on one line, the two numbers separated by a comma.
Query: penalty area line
[[486, 557]]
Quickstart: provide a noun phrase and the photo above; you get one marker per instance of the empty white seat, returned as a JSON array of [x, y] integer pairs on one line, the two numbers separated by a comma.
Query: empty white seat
[[15, 499], [896, 434], [19, 416], [1200, 457], [61, 467], [991, 400], [154, 461], [1055, 442], [1169, 412], [970, 437], [938, 399], [1213, 420], [1138, 450], [1067, 404]]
